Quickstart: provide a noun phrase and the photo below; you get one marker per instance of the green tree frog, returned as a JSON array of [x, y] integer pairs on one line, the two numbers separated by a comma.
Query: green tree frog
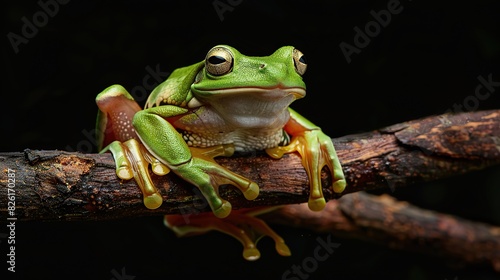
[[227, 103]]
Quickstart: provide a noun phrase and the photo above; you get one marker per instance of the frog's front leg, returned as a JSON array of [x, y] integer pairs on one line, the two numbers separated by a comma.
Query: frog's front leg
[[317, 151], [195, 165]]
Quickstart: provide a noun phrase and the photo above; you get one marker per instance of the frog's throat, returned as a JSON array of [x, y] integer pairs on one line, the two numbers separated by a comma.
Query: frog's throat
[[260, 94], [251, 108]]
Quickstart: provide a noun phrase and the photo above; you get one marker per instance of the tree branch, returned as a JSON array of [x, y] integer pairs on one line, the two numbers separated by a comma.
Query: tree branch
[[58, 185], [399, 225]]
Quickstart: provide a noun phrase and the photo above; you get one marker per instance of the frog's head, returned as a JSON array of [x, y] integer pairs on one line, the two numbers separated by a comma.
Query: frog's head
[[238, 85]]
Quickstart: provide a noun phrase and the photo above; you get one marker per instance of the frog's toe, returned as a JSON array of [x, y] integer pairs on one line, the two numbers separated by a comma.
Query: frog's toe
[[251, 254], [123, 168], [153, 201], [159, 168], [316, 204], [248, 188], [124, 172], [282, 249], [209, 153], [339, 186], [224, 210], [252, 191]]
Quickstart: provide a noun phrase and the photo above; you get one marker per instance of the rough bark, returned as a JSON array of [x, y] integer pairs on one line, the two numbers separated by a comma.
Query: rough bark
[[399, 225], [58, 185]]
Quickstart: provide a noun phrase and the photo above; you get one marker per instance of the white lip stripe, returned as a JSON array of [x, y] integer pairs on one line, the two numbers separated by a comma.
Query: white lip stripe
[[194, 103], [297, 91]]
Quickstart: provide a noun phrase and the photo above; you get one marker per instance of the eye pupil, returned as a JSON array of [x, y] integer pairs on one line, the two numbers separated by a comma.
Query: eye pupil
[[219, 61], [303, 59], [299, 61], [215, 59]]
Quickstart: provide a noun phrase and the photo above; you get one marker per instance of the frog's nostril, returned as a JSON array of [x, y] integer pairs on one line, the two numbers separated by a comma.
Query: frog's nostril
[[262, 66]]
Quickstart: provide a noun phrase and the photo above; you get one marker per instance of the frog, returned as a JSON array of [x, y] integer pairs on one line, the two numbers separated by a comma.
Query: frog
[[228, 103]]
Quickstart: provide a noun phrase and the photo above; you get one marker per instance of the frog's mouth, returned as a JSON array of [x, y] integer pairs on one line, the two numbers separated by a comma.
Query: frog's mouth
[[250, 106]]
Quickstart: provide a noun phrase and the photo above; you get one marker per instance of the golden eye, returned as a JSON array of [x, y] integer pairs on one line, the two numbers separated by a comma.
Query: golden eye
[[299, 61], [219, 61]]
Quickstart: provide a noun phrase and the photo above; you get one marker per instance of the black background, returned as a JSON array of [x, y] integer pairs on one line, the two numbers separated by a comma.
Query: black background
[[423, 62]]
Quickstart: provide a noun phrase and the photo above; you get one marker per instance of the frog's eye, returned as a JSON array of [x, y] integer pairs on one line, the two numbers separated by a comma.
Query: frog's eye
[[219, 61], [299, 61]]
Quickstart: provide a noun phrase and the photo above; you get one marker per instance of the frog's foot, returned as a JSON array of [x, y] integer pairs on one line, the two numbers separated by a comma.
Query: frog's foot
[[240, 224], [316, 150], [115, 131], [208, 176], [132, 161]]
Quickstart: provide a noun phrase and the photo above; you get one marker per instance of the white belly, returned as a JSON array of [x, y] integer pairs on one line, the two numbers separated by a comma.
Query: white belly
[[243, 140], [205, 128]]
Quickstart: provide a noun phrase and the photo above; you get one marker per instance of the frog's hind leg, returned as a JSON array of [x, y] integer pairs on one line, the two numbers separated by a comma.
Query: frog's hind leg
[[114, 118], [116, 134], [240, 224]]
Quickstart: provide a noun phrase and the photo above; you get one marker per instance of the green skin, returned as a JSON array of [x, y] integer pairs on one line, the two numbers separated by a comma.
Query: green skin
[[228, 102]]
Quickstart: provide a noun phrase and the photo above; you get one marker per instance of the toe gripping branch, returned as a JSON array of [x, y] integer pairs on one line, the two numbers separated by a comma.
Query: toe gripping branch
[[317, 151], [212, 176], [132, 161]]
